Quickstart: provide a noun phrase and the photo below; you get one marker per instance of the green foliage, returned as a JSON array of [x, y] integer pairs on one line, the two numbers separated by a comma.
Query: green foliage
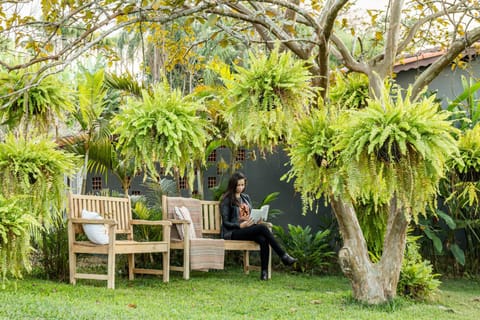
[[396, 149], [435, 232], [91, 100], [312, 251], [41, 102], [36, 169], [460, 191], [417, 279], [268, 94], [15, 224], [467, 104], [314, 165], [52, 254], [269, 198], [373, 221], [468, 168], [349, 91], [164, 128], [32, 174]]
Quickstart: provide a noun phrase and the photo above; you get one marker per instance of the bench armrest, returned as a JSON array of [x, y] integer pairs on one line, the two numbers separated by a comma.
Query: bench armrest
[[178, 221], [151, 222], [92, 221], [166, 226]]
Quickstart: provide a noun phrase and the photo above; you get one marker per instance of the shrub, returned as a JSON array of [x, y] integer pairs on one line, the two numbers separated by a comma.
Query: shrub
[[416, 277], [312, 251]]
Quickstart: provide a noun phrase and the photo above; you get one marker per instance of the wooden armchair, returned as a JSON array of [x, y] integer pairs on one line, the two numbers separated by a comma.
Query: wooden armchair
[[118, 217]]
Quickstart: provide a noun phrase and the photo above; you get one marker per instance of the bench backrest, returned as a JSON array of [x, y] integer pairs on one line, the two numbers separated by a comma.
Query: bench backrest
[[118, 209], [212, 221]]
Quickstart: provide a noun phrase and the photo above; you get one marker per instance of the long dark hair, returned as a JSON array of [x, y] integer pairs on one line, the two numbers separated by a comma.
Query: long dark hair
[[232, 187]]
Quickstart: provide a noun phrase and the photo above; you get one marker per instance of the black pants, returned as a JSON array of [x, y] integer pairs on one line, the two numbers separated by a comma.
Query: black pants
[[261, 235]]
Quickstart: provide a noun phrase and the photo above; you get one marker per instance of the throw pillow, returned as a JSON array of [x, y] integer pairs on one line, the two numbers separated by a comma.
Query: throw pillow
[[182, 213], [96, 233]]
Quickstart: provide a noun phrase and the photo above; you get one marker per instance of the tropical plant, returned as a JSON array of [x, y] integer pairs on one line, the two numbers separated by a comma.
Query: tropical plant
[[460, 191], [268, 93], [33, 174], [349, 91], [165, 129], [272, 212], [44, 101], [35, 169], [467, 104], [141, 211], [417, 279], [16, 221], [89, 115], [312, 250]]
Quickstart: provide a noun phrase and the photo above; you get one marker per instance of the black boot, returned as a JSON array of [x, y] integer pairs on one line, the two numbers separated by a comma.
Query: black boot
[[288, 260], [264, 275]]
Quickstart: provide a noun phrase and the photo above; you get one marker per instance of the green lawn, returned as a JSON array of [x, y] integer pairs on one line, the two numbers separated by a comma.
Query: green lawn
[[225, 295]]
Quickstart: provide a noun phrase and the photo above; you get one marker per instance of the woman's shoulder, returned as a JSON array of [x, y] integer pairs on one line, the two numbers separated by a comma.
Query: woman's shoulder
[[245, 196]]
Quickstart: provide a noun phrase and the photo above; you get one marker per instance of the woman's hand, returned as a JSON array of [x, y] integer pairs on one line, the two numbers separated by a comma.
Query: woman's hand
[[246, 223]]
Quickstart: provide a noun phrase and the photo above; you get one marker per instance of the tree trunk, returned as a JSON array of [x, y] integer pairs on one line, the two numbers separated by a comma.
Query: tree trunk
[[372, 283]]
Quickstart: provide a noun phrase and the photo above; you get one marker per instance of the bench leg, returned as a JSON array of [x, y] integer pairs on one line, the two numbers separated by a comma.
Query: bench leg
[[72, 262], [111, 270], [186, 260], [246, 261], [131, 266], [269, 262], [166, 266]]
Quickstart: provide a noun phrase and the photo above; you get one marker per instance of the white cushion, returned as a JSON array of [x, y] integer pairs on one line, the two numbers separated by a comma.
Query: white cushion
[[182, 213], [96, 233]]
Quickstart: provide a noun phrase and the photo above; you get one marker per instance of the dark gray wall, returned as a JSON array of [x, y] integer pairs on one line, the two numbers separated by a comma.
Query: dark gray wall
[[264, 177]]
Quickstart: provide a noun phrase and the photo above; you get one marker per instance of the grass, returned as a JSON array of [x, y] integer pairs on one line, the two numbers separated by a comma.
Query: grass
[[225, 294]]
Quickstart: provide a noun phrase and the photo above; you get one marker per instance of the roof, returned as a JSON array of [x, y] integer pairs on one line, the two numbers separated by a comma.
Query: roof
[[426, 58]]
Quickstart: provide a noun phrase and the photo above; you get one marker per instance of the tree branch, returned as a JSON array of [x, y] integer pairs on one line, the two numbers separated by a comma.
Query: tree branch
[[435, 68]]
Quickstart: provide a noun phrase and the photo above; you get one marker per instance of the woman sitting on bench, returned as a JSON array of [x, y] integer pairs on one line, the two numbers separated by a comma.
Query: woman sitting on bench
[[235, 207]]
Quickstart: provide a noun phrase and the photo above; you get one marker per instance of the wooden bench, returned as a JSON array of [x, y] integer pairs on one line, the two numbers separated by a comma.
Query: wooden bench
[[117, 216], [211, 227]]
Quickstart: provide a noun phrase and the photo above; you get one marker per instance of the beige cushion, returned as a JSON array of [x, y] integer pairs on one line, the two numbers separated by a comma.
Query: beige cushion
[[182, 213], [96, 233]]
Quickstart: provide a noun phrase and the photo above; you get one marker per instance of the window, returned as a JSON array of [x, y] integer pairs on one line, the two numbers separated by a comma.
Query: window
[[182, 183], [136, 192], [241, 155], [96, 183], [211, 182], [212, 157]]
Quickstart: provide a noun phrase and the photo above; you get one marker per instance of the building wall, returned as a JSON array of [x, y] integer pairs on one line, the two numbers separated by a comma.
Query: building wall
[[264, 177], [447, 84]]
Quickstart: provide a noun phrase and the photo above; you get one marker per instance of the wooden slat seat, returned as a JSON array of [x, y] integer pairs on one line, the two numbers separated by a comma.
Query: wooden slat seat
[[118, 217]]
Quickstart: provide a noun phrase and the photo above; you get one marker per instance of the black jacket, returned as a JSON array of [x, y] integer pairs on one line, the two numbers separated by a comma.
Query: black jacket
[[231, 215]]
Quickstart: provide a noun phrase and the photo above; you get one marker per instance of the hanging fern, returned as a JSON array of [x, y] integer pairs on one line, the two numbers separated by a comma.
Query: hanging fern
[[36, 170], [40, 104], [463, 186], [313, 163], [349, 91], [399, 148], [164, 128], [15, 224], [267, 96]]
